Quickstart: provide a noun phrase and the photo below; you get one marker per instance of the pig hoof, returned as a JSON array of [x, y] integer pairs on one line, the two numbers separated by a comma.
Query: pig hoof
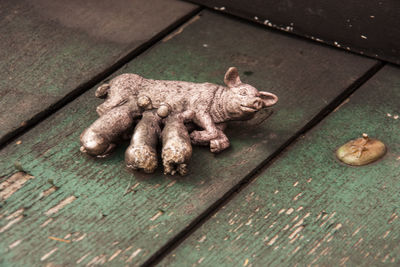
[[141, 158], [174, 161], [217, 145], [172, 169], [94, 144], [182, 169], [108, 151], [95, 151], [202, 137]]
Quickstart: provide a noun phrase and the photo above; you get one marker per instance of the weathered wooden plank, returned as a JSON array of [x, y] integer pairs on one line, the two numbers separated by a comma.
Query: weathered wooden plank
[[50, 48], [365, 29], [308, 207], [113, 216]]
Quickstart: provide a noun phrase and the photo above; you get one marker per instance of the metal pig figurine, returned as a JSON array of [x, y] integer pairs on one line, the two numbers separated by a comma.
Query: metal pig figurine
[[163, 109]]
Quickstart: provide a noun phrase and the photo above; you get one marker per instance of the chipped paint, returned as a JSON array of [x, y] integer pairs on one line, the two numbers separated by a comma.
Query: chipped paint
[[11, 223], [98, 260], [171, 183], [356, 231], [48, 254], [47, 192], [347, 100], [289, 211], [15, 214], [14, 244], [299, 208], [386, 234], [296, 231], [180, 30], [113, 256], [155, 216], [202, 239], [133, 255], [272, 241], [46, 222], [83, 258], [60, 205], [13, 183], [392, 218]]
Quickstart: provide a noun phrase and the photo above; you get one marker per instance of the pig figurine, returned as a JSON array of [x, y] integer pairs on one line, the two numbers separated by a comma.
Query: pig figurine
[[165, 108]]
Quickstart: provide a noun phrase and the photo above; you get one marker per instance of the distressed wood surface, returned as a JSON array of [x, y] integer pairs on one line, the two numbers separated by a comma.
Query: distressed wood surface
[[79, 210], [50, 48], [367, 30], [308, 207]]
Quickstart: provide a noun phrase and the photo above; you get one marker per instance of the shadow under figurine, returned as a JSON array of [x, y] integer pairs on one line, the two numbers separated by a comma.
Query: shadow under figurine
[[163, 108]]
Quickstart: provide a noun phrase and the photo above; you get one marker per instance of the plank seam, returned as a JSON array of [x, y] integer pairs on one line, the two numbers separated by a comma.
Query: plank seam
[[218, 204], [259, 24], [87, 85]]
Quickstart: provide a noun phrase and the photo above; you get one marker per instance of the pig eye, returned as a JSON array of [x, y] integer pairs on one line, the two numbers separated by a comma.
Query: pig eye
[[243, 92]]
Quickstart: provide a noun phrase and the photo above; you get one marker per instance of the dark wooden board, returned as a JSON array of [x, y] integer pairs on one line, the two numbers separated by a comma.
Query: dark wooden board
[[365, 27], [48, 49], [131, 216], [308, 208]]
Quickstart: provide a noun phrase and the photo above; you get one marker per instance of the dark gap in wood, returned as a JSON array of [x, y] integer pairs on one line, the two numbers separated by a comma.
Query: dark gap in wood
[[327, 43], [214, 208], [85, 86]]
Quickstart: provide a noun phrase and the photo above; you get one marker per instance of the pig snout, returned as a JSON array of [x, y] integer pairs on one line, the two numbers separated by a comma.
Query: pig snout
[[252, 105], [257, 104]]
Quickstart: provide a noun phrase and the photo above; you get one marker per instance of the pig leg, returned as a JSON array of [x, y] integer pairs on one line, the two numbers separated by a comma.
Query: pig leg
[[210, 131], [141, 153], [177, 149], [212, 134], [221, 142], [99, 138]]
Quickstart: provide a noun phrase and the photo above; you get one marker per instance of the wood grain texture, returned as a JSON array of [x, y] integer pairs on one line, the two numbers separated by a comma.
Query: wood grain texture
[[308, 208], [367, 29], [113, 216], [50, 48]]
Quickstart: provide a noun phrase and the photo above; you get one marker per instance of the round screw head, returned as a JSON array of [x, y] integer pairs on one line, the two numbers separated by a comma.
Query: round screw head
[[361, 151]]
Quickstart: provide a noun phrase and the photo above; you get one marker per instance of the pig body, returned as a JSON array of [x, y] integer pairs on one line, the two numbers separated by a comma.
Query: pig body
[[211, 105]]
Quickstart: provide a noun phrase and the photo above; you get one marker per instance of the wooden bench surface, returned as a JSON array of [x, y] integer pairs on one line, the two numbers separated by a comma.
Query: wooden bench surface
[[308, 207], [60, 207], [50, 50]]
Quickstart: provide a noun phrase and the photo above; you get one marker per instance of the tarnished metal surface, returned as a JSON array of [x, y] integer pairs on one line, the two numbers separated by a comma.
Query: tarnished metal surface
[[361, 151], [171, 103]]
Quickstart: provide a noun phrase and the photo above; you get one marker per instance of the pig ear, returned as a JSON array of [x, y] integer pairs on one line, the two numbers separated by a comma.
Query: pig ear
[[268, 99], [231, 78]]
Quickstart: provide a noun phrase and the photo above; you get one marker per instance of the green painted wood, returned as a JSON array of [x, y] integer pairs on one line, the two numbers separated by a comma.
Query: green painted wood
[[308, 208], [117, 217], [50, 48]]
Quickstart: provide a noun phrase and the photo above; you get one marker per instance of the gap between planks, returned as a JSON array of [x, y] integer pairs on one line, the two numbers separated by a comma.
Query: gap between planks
[[82, 88], [214, 208]]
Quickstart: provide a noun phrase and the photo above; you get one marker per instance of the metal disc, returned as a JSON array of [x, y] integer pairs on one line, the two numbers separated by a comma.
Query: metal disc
[[361, 151]]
